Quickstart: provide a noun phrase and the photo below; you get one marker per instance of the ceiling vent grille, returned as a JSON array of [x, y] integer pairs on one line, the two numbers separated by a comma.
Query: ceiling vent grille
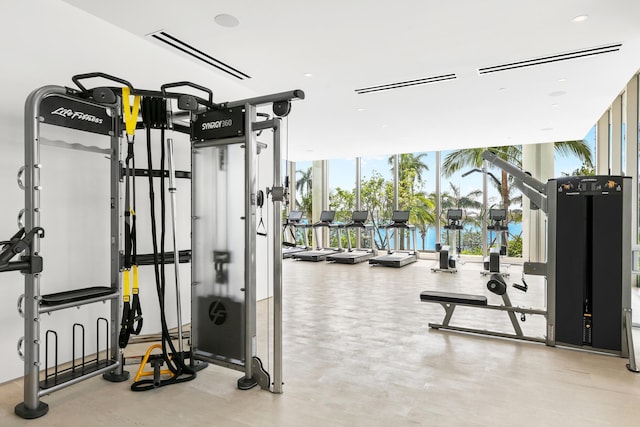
[[407, 83], [551, 58], [184, 47]]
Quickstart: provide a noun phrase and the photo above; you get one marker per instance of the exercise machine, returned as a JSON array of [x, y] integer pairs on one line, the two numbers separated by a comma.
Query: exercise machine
[[449, 254], [225, 194], [588, 267], [96, 118], [355, 255], [219, 134], [319, 253], [292, 225], [398, 258], [491, 263], [495, 285]]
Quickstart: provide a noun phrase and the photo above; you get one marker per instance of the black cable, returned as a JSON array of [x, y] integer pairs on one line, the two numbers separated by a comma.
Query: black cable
[[156, 117]]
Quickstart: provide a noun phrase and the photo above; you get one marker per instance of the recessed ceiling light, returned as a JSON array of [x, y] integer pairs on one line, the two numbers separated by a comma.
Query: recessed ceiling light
[[502, 89], [558, 93], [555, 105], [580, 18], [562, 79], [546, 129], [360, 109], [225, 20], [308, 75]]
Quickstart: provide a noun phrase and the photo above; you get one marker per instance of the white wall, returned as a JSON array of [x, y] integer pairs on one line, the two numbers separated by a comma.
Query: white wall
[[45, 42]]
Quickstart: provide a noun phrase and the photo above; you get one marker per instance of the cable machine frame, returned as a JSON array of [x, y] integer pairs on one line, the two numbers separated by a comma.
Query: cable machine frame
[[32, 304]]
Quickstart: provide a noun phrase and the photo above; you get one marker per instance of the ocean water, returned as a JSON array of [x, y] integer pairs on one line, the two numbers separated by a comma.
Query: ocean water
[[515, 229]]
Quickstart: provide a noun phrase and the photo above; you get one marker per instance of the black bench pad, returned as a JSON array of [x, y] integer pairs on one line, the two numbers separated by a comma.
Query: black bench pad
[[76, 295], [449, 297]]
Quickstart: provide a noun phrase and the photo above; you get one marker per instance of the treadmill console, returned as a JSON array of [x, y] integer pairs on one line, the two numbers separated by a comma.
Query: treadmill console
[[360, 216], [497, 214], [400, 216], [295, 216], [454, 214], [327, 216]]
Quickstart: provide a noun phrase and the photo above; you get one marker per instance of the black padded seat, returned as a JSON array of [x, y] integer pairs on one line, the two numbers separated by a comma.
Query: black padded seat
[[453, 298], [76, 295]]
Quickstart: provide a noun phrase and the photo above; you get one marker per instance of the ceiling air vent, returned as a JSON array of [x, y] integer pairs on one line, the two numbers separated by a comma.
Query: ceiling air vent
[[184, 47], [551, 58], [397, 85]]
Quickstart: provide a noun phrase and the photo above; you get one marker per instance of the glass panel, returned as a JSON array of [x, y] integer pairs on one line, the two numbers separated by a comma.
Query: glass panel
[[304, 179], [304, 195], [464, 192], [377, 196], [572, 165], [342, 190], [218, 253], [416, 190]]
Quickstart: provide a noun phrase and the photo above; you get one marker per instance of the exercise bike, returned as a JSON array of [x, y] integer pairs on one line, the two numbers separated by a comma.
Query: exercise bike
[[491, 263], [450, 254]]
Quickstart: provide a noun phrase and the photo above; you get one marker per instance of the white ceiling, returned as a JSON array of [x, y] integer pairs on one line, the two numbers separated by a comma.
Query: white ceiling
[[348, 45]]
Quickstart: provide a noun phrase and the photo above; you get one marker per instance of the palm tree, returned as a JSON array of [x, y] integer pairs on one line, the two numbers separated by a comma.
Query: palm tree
[[303, 186], [304, 183], [411, 167], [422, 215]]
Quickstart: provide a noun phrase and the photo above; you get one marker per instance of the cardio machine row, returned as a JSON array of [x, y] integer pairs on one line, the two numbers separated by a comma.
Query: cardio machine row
[[350, 255]]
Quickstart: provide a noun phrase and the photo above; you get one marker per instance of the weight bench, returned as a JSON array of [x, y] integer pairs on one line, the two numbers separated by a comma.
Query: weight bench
[[450, 300]]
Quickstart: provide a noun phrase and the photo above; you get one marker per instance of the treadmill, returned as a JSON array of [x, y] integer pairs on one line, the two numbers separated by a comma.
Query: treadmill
[[294, 222], [355, 255], [320, 253], [399, 221]]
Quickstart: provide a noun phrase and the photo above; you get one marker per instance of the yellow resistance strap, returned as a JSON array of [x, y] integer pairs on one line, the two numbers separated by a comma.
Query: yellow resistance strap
[[134, 268], [130, 113], [127, 285]]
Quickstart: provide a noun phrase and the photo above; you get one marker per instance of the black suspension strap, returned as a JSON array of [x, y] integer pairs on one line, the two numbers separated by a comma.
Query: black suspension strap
[[130, 313], [154, 114]]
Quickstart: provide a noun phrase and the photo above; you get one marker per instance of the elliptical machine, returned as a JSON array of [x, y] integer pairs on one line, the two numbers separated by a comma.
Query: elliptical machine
[[449, 254]]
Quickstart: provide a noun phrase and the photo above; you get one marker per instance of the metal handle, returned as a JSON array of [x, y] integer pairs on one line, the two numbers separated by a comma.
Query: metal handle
[[20, 172], [76, 79], [164, 88], [20, 301], [20, 353], [20, 223]]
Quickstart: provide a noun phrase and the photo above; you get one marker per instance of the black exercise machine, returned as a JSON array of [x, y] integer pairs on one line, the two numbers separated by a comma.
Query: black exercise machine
[[399, 258], [449, 254], [491, 263], [320, 253], [496, 285], [292, 225], [588, 268], [355, 255]]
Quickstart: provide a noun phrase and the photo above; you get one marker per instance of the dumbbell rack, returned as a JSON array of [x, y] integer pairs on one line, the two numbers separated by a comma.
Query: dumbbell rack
[[39, 108]]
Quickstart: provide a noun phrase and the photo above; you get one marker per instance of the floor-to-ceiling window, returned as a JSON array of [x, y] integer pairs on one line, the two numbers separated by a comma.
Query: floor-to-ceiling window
[[461, 187], [376, 193], [342, 195]]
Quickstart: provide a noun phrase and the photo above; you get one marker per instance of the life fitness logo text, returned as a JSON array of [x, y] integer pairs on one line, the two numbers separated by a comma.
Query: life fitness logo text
[[76, 115], [218, 124]]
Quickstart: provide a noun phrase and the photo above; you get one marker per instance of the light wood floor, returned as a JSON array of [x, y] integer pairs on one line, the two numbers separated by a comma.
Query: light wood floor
[[358, 352]]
